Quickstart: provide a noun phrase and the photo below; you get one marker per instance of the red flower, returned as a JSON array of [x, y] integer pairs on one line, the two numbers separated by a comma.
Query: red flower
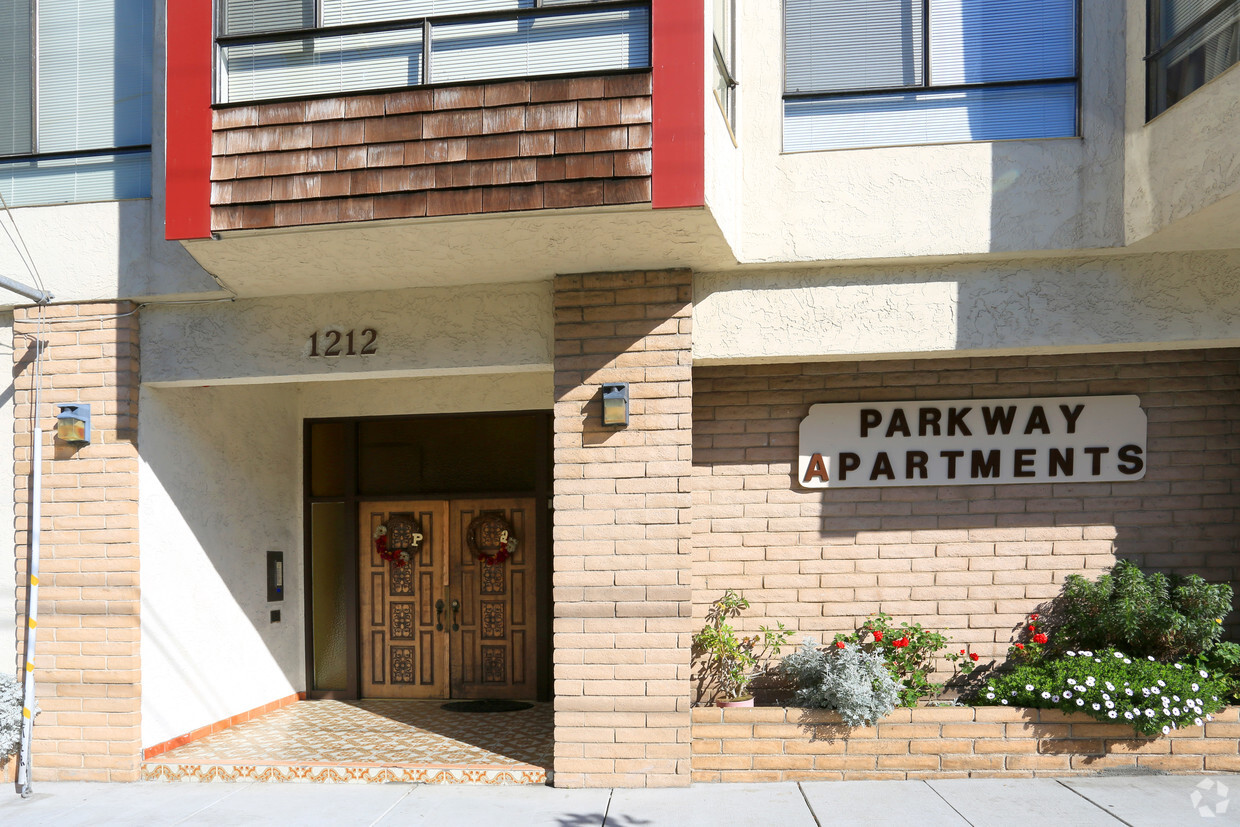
[[1032, 628], [1033, 616], [973, 656], [1020, 646], [878, 636], [901, 643], [839, 644], [962, 651], [1039, 638]]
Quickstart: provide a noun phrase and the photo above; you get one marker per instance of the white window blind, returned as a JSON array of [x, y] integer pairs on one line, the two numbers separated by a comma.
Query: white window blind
[[1178, 15], [592, 41], [943, 116], [852, 44], [94, 86], [987, 41], [249, 16], [324, 65], [16, 96], [101, 177], [346, 12]]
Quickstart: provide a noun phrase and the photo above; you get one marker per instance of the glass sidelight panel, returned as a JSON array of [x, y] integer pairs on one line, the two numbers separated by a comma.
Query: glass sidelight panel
[[330, 563], [329, 458]]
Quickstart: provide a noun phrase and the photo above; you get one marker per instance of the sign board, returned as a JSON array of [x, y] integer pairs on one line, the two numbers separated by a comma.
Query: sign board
[[973, 442]]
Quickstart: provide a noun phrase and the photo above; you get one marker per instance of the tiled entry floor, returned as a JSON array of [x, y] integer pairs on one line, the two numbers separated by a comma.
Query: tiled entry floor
[[370, 741]]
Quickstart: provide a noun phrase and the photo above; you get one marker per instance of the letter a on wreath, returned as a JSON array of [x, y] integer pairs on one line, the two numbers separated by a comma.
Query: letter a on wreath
[[491, 538]]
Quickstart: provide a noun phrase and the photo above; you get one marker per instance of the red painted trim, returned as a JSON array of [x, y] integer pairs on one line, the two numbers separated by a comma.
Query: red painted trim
[[218, 726], [187, 106], [678, 157]]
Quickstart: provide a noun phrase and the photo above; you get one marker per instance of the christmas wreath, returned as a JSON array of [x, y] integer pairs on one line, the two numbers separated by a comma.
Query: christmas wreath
[[490, 538], [398, 538]]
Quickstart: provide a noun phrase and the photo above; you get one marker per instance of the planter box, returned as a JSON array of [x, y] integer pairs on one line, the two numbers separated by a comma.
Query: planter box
[[788, 744]]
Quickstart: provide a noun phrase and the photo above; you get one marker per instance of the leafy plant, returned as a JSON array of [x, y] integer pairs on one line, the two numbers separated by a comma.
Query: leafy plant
[[1113, 687], [1223, 661], [1144, 614], [909, 651], [10, 714], [732, 661], [844, 677]]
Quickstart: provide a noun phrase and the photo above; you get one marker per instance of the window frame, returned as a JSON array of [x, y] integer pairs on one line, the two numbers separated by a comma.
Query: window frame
[[541, 8], [725, 65], [34, 155], [1155, 50], [926, 87]]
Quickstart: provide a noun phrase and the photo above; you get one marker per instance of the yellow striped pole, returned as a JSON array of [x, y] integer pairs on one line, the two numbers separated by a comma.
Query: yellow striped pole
[[32, 605]]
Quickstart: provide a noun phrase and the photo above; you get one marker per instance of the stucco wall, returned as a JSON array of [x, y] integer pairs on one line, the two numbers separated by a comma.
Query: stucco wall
[[8, 611], [475, 329], [954, 199], [1019, 306], [220, 486]]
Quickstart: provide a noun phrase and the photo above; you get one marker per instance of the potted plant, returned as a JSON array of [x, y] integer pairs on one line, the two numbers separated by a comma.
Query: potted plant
[[732, 661]]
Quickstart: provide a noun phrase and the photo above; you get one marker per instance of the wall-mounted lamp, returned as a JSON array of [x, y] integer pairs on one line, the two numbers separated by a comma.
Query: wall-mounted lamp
[[616, 404], [73, 423]]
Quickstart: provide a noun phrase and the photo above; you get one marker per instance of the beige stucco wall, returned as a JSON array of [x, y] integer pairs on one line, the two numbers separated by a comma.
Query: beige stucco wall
[[1023, 305]]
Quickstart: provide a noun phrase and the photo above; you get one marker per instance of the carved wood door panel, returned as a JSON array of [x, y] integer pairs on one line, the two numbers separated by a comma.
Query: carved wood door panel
[[492, 655], [403, 654]]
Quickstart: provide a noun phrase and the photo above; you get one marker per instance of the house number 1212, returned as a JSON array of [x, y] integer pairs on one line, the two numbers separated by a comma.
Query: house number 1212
[[344, 343]]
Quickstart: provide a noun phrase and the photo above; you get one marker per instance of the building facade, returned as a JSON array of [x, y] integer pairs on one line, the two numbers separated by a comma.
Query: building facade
[[343, 279]]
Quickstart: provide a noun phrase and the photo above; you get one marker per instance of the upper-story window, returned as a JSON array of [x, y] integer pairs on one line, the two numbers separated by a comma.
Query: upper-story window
[[293, 48], [75, 100], [867, 73], [724, 48], [1191, 43]]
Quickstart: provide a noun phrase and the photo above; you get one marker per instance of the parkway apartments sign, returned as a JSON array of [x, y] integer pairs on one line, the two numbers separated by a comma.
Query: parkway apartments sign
[[973, 442]]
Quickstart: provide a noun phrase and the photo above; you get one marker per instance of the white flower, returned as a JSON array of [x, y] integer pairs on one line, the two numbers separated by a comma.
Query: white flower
[[1175, 697], [1209, 717], [1145, 692], [1071, 654], [1096, 707], [1128, 715], [1203, 673], [1118, 654], [1087, 654], [1054, 698], [1126, 660], [1161, 682], [1003, 701], [1072, 681], [1155, 690], [1046, 694], [1195, 687], [1079, 702], [1028, 687], [1097, 660], [1149, 713], [381, 531], [1111, 714], [1110, 704], [1128, 691], [1110, 686], [1067, 694], [990, 695], [1151, 657], [1089, 681], [1166, 729], [1197, 721], [1179, 666]]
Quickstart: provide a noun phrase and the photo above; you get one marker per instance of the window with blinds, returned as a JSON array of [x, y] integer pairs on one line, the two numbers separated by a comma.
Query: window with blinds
[[78, 109], [1191, 43], [867, 73], [469, 40]]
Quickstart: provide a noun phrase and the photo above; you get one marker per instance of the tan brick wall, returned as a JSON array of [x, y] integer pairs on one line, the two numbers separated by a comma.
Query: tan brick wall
[[87, 675], [970, 560], [777, 744], [622, 531]]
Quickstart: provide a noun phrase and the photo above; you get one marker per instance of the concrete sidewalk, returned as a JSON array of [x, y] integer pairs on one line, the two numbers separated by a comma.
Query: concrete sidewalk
[[1044, 802]]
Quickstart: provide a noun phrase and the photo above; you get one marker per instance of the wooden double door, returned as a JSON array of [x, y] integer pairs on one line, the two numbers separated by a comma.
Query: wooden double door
[[448, 624]]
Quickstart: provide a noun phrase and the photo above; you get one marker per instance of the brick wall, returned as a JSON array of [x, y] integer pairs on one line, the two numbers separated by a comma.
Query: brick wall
[[970, 560], [776, 744], [521, 145], [87, 677], [622, 531]]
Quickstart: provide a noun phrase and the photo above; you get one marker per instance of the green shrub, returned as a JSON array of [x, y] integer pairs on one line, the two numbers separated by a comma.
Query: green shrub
[[1223, 661], [909, 651], [732, 661], [855, 683], [1113, 687], [1145, 615]]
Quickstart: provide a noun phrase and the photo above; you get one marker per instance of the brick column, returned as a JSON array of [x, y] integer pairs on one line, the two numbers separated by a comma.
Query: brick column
[[87, 676], [622, 540]]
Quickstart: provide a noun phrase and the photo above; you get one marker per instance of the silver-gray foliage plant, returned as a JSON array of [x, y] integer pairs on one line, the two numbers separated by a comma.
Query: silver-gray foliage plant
[[855, 683], [10, 714]]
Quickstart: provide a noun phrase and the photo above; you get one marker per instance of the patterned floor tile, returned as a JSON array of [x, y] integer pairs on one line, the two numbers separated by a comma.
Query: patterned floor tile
[[370, 742]]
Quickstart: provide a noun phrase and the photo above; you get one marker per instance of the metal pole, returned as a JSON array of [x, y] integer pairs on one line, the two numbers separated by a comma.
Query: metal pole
[[32, 590], [34, 294]]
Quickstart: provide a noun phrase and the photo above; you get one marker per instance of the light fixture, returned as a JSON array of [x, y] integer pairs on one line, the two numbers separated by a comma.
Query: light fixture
[[73, 423], [616, 404]]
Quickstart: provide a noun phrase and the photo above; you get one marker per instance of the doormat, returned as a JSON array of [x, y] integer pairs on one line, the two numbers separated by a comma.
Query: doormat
[[487, 706]]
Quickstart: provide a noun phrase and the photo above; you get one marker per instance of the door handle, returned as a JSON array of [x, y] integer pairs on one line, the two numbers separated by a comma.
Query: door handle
[[456, 606], [439, 615]]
